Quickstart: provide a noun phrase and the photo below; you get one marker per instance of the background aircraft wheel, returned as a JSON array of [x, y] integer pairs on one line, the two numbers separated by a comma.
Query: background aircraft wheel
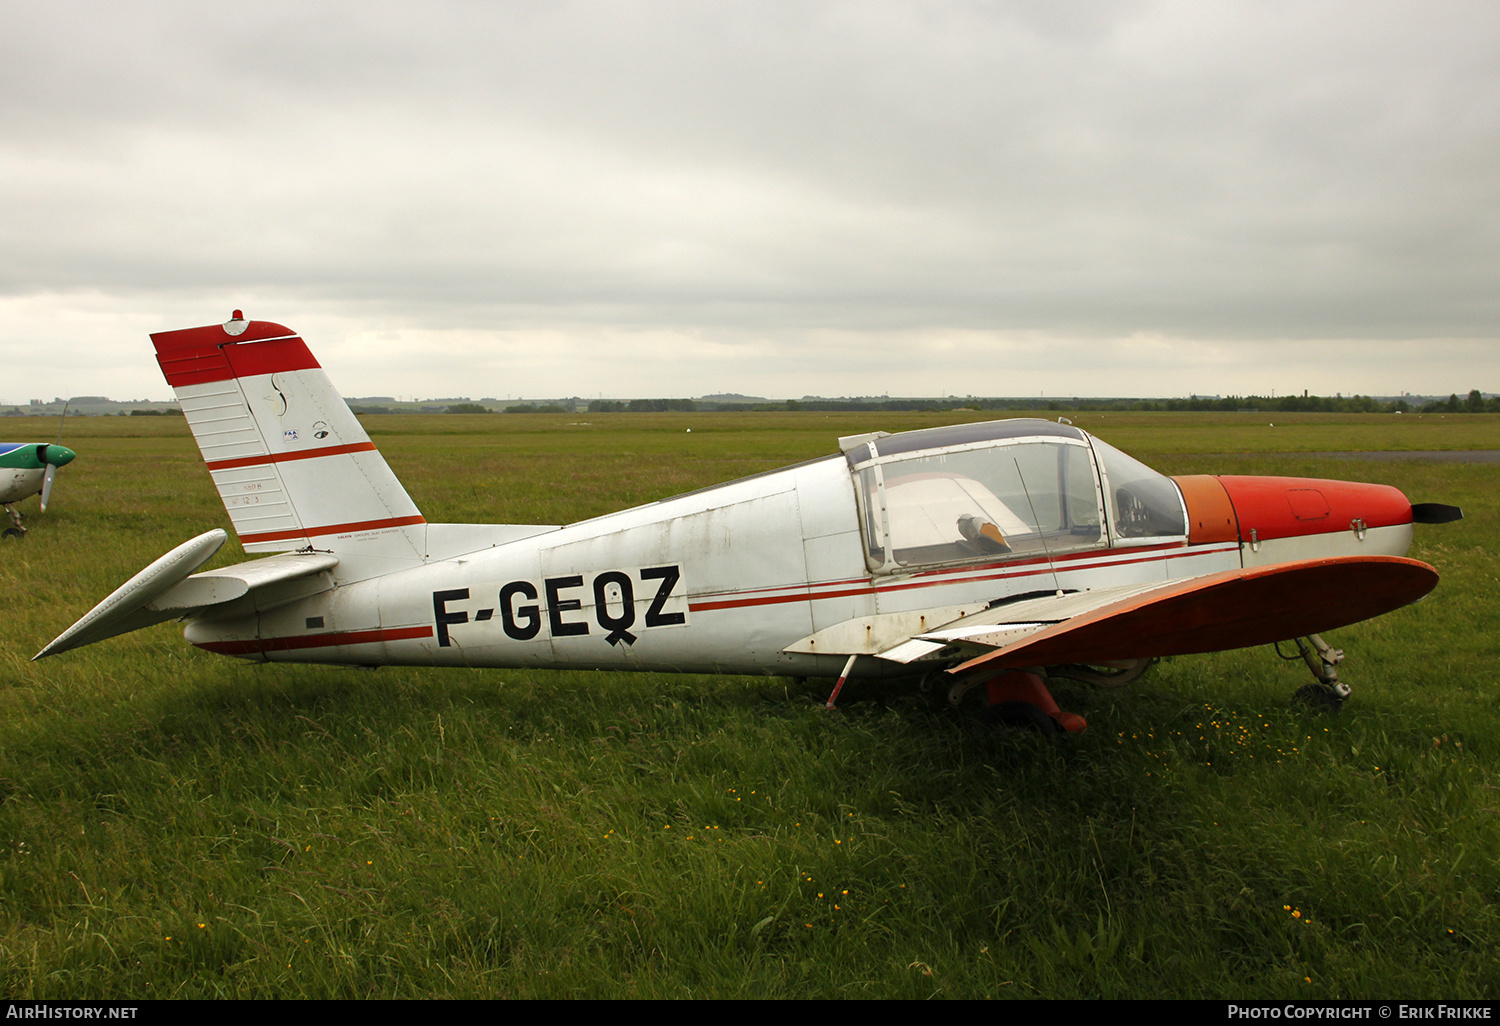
[[1319, 696], [1023, 715]]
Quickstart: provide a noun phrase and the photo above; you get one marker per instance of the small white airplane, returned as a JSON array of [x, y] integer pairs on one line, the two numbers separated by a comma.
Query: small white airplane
[[27, 469], [992, 553]]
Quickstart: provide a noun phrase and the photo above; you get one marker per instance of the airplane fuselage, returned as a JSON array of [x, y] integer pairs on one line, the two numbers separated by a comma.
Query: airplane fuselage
[[769, 574], [16, 485]]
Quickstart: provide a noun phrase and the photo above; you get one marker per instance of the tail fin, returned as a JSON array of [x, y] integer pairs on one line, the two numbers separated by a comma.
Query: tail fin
[[292, 463]]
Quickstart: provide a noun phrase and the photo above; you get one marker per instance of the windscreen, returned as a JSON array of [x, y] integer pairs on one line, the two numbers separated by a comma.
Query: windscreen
[[1142, 503]]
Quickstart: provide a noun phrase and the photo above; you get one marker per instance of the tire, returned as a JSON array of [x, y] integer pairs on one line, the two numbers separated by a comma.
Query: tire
[[1023, 716]]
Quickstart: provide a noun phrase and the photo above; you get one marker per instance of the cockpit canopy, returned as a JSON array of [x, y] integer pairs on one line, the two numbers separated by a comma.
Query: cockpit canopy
[[1003, 490]]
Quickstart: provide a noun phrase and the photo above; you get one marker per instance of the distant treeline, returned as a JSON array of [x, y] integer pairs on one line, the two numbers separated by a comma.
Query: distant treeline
[[1474, 402], [650, 406]]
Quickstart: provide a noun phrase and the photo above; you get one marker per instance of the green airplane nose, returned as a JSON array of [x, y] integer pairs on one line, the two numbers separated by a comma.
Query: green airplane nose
[[57, 455]]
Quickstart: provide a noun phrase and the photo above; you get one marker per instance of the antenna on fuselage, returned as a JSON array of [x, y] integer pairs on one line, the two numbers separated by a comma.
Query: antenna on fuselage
[[1051, 566]]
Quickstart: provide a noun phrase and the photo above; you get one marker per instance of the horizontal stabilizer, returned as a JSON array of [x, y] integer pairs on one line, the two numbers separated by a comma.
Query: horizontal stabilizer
[[1233, 609], [165, 591], [124, 610], [232, 582]]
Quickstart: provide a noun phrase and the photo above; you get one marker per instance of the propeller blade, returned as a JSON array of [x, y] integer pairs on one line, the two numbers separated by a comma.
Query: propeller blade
[[47, 485], [1434, 513]]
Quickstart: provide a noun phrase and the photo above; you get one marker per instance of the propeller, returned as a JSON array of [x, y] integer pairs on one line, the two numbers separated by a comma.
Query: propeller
[[54, 456], [47, 485], [1434, 513]]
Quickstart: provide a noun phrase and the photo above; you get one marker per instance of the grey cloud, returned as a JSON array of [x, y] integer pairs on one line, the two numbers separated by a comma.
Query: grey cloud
[[1201, 172]]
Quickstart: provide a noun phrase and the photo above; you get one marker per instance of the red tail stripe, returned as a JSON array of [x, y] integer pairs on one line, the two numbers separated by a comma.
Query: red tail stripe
[[196, 368], [318, 532], [254, 646], [282, 354], [198, 356], [285, 457]]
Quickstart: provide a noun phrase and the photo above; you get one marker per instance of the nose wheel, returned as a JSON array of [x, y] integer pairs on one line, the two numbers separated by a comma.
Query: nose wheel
[[1322, 659], [16, 528]]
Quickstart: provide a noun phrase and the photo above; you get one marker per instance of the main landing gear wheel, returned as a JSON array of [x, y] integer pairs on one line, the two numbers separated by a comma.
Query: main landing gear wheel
[[1024, 716]]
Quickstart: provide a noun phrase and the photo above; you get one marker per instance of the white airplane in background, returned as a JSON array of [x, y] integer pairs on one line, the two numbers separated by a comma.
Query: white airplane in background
[[997, 553], [27, 469]]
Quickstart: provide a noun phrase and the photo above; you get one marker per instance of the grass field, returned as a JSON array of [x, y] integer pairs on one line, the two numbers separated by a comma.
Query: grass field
[[176, 824]]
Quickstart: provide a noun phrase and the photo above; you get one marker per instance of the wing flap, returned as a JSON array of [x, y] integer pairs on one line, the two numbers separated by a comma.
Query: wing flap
[[1232, 609], [930, 644], [998, 626]]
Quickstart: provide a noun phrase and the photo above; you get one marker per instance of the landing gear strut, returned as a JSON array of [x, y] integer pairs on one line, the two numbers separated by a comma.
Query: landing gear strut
[[1322, 659], [16, 528]]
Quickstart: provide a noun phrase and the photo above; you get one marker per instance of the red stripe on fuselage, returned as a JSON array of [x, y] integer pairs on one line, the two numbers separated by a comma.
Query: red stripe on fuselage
[[318, 532], [1034, 567], [257, 646], [285, 457], [947, 574], [1063, 557]]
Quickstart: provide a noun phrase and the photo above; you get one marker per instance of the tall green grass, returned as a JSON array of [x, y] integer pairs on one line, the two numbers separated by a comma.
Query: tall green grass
[[178, 824]]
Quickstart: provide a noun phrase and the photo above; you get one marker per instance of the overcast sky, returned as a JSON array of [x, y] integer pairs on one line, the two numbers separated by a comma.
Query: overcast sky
[[674, 199]]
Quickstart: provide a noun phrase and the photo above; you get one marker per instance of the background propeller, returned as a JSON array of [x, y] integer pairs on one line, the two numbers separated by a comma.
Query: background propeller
[[54, 456]]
